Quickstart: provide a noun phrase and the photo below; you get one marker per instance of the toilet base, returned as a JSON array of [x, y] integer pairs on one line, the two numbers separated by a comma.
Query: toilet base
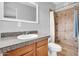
[[53, 49], [52, 53]]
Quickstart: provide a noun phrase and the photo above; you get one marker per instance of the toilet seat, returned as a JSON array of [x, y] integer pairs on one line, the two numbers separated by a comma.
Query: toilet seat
[[53, 47]]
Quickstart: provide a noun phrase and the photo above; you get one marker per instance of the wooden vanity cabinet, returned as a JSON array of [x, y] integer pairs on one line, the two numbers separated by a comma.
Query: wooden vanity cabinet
[[38, 48]]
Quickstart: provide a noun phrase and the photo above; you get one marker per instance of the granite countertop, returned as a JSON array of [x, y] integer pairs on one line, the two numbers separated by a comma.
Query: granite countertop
[[9, 41]]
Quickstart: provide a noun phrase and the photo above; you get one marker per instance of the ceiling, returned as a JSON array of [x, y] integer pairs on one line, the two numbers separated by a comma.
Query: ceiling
[[57, 3], [61, 4]]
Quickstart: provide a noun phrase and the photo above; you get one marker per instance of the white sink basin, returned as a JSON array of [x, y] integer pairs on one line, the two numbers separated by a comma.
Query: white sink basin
[[27, 36]]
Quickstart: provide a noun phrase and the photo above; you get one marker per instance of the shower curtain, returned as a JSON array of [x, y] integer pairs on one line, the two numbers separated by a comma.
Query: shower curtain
[[75, 23], [52, 26]]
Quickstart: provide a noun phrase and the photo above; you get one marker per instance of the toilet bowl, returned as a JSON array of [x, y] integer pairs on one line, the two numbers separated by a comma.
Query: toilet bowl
[[53, 49]]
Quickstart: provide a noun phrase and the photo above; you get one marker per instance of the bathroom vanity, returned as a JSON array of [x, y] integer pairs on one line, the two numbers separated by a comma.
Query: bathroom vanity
[[10, 45], [38, 48]]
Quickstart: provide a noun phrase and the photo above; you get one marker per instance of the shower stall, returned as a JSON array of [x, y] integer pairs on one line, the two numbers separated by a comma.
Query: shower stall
[[67, 30]]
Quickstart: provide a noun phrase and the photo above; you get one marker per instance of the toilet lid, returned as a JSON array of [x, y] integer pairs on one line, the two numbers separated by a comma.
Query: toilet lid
[[54, 47]]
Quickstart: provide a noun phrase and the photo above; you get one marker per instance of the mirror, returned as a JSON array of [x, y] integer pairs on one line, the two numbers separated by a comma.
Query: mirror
[[21, 11]]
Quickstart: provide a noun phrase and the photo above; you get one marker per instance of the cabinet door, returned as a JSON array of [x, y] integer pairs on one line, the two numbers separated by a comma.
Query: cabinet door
[[31, 53], [43, 50], [20, 51], [42, 42]]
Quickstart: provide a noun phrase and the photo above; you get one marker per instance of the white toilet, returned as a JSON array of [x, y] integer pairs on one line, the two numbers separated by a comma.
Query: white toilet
[[53, 49]]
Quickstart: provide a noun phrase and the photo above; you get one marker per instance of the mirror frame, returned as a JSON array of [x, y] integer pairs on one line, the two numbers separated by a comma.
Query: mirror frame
[[18, 20]]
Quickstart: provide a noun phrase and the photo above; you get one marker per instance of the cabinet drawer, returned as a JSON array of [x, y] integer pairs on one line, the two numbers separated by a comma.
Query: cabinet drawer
[[20, 51], [43, 42]]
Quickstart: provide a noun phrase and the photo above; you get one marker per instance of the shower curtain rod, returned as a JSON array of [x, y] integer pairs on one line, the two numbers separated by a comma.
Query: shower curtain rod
[[72, 5]]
